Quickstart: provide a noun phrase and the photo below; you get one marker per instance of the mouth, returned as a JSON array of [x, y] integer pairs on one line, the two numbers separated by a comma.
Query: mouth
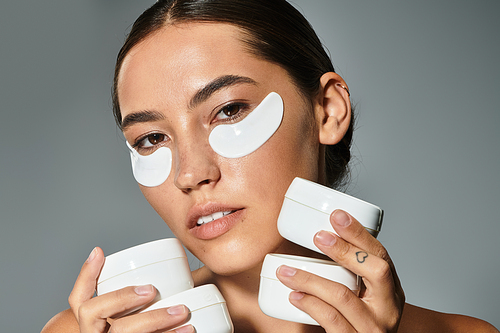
[[213, 220], [212, 217]]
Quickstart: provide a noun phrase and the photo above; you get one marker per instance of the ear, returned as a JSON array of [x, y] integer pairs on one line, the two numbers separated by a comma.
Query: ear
[[333, 109]]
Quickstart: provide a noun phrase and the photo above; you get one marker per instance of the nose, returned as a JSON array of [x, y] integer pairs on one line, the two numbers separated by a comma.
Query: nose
[[195, 165]]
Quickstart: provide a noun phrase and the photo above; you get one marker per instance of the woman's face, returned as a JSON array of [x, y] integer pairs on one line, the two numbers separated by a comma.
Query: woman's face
[[158, 82]]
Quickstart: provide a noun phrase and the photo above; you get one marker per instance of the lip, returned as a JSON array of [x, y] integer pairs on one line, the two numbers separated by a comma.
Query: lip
[[215, 228]]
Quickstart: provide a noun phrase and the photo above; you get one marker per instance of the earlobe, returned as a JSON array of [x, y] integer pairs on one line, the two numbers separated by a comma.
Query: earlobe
[[333, 109]]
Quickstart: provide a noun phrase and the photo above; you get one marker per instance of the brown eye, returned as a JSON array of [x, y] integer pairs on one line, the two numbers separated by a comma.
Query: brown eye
[[156, 138], [151, 140], [231, 110]]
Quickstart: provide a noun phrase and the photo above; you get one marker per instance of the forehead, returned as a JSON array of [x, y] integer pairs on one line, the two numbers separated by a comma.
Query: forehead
[[177, 60]]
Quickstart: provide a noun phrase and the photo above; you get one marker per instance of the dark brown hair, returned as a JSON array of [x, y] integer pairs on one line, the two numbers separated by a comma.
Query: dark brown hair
[[274, 31]]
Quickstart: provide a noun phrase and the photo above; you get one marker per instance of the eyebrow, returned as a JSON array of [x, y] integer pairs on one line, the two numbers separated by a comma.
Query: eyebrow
[[141, 117], [217, 84], [199, 97]]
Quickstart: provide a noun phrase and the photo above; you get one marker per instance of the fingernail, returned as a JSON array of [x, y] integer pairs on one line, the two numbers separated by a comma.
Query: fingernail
[[287, 271], [176, 310], [144, 290], [92, 255], [295, 295], [185, 329], [341, 218], [325, 238]]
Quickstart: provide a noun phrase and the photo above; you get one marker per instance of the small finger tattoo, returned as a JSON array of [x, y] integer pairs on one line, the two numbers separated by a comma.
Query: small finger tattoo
[[361, 256]]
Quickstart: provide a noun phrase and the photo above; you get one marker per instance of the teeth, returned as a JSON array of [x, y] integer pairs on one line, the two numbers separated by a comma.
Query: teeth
[[217, 215], [212, 217]]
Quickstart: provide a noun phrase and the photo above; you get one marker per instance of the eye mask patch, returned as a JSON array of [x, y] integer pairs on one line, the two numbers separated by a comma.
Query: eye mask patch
[[242, 138], [151, 170], [228, 140]]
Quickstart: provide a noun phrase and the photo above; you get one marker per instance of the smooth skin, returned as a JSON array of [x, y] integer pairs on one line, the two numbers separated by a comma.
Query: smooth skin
[[162, 75]]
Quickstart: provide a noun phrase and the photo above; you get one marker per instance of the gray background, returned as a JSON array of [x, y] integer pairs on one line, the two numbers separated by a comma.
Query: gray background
[[424, 76]]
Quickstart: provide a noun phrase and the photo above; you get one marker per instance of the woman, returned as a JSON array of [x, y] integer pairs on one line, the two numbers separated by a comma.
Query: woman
[[188, 67]]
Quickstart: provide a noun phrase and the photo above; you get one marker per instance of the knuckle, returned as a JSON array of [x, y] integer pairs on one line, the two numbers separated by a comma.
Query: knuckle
[[122, 294], [358, 232], [392, 320], [305, 278], [382, 253], [332, 316], [125, 295], [158, 316], [344, 295], [342, 252], [382, 271], [85, 311], [72, 301]]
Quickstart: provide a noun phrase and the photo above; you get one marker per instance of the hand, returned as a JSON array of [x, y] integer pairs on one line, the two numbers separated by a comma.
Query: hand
[[94, 314], [379, 306]]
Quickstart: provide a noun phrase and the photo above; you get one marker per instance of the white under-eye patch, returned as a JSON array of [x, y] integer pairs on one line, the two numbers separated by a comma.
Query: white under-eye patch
[[151, 170], [244, 137], [228, 140]]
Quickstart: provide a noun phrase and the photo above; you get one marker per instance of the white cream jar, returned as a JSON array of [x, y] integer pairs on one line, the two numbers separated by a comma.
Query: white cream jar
[[162, 263], [307, 208], [274, 295], [207, 307]]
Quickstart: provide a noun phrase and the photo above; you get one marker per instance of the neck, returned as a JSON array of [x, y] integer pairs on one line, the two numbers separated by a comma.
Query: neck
[[241, 294]]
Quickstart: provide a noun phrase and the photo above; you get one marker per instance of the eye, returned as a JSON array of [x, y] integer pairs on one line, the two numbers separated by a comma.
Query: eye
[[231, 111], [150, 140]]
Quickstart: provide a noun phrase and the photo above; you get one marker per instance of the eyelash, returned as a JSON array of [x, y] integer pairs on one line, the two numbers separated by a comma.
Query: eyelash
[[242, 110], [140, 142]]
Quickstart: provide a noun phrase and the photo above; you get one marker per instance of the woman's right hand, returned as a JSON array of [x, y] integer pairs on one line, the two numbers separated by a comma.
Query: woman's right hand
[[101, 314]]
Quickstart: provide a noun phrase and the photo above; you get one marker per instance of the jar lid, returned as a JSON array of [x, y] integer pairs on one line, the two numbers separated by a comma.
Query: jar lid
[[327, 200], [140, 256], [195, 299]]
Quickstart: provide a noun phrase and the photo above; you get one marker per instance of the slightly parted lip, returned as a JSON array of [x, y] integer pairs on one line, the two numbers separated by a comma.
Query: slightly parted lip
[[200, 210]]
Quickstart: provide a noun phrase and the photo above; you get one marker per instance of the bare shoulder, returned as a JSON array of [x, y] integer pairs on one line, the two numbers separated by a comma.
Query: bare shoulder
[[62, 322], [416, 319]]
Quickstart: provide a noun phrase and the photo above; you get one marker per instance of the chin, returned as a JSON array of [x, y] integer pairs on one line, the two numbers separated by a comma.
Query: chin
[[242, 258]]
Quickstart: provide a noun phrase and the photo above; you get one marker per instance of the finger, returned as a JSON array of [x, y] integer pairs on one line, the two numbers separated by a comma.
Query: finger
[[362, 254], [375, 271], [327, 316], [160, 320], [350, 230], [382, 294], [353, 232], [93, 313], [86, 283], [338, 301]]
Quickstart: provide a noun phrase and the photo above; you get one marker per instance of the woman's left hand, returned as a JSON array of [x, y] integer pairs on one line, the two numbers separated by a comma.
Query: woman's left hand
[[379, 306]]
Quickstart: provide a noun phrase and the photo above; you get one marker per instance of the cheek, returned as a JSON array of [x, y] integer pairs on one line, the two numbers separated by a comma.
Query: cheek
[[163, 200], [291, 152], [294, 149]]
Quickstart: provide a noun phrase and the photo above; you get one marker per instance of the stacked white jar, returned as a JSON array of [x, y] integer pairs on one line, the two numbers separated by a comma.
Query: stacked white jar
[[306, 210], [163, 264]]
